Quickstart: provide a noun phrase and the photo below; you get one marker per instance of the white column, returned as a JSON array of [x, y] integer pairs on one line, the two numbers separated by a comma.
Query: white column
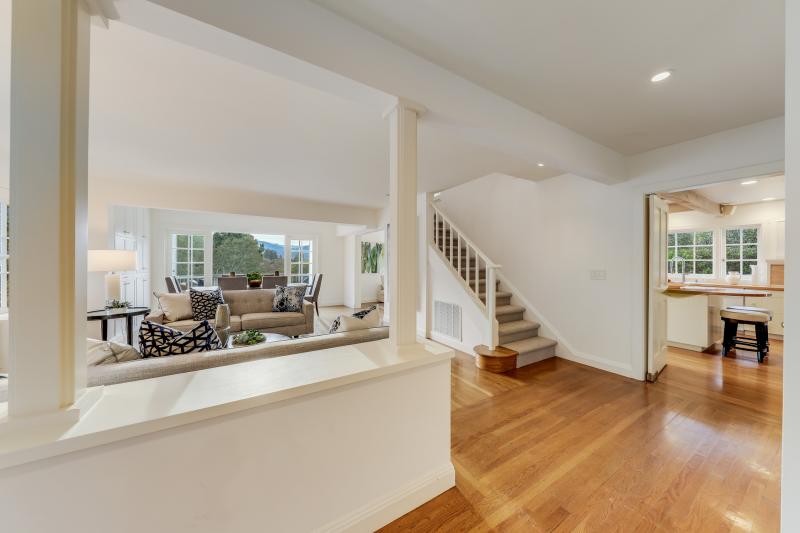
[[403, 222], [49, 151]]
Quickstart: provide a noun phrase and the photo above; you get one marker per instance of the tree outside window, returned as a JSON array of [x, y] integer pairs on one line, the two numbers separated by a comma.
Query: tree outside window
[[741, 250], [696, 248]]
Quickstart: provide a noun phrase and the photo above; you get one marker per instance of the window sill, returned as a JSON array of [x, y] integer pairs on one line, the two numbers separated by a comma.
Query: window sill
[[136, 408]]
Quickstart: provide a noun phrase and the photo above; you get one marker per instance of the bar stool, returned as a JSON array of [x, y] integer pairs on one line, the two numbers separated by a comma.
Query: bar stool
[[732, 317]]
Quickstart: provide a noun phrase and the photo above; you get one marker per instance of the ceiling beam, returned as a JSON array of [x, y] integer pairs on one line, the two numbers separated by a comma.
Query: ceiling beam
[[692, 201]]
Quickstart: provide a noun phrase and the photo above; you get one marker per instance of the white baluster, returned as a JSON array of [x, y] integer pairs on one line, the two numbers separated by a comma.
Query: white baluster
[[491, 304]]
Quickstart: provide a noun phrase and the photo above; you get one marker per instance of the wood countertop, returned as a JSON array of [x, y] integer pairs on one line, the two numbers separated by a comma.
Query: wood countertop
[[714, 290], [773, 288]]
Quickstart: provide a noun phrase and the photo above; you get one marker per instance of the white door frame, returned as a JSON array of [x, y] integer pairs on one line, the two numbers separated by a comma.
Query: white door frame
[[639, 221]]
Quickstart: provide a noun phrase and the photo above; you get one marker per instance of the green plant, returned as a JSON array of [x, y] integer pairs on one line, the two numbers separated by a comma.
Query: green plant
[[251, 336], [117, 304], [253, 276]]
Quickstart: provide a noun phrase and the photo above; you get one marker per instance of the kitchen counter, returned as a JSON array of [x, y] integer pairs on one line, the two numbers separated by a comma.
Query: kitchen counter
[[718, 290], [761, 287]]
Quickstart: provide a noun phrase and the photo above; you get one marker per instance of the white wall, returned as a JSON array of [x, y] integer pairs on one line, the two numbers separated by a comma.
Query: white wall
[[446, 288], [329, 255], [768, 215], [548, 236], [790, 475]]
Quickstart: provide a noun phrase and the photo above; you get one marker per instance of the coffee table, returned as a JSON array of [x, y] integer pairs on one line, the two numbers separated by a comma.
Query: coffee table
[[268, 337]]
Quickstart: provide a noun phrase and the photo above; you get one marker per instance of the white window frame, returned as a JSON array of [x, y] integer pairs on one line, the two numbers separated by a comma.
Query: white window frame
[[724, 249], [312, 262], [172, 240], [714, 251]]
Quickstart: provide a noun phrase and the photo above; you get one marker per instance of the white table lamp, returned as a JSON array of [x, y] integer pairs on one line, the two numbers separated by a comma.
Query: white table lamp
[[112, 262]]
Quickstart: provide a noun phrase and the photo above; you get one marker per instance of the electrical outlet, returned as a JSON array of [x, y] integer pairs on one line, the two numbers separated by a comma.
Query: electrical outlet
[[597, 275]]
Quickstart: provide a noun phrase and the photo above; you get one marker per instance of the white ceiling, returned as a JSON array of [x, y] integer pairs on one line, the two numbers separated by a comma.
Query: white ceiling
[[587, 65], [733, 192], [162, 109]]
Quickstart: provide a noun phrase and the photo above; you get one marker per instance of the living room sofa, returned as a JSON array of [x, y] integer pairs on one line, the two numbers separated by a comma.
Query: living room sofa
[[250, 309]]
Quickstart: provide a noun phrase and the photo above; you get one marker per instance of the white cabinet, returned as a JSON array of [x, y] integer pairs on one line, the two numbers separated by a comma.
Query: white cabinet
[[131, 227]]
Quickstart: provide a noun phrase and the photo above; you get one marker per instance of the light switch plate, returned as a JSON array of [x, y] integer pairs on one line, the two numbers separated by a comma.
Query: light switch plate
[[597, 275]]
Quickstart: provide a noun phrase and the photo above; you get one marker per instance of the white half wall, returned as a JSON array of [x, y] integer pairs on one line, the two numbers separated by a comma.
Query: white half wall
[[352, 458]]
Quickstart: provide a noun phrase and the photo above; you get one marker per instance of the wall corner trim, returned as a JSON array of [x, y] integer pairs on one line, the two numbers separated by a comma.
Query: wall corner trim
[[396, 503]]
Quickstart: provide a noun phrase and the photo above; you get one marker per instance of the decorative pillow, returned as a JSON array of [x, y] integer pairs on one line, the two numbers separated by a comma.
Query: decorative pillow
[[97, 352], [360, 315], [107, 352], [156, 340], [204, 303], [175, 306], [289, 299]]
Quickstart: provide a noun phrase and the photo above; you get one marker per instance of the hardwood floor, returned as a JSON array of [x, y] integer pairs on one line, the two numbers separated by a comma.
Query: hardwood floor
[[558, 446]]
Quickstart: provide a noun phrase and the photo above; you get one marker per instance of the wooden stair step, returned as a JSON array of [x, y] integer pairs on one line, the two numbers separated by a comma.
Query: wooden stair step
[[499, 360]]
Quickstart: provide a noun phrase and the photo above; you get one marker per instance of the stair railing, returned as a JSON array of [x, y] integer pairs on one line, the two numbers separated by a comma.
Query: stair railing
[[458, 251]]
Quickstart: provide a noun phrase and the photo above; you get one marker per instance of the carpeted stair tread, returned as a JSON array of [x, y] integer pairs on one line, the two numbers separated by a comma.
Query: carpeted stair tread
[[531, 344]]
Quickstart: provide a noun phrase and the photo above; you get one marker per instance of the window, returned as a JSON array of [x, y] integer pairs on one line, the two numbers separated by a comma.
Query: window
[[301, 261], [188, 260], [4, 255], [243, 253], [741, 250], [695, 248]]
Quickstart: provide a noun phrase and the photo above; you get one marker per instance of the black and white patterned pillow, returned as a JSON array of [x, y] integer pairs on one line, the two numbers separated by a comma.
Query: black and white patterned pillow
[[358, 314], [289, 299], [204, 303], [156, 340]]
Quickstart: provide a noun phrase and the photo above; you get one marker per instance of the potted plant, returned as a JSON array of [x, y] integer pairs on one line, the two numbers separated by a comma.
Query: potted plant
[[254, 279], [116, 305], [249, 337]]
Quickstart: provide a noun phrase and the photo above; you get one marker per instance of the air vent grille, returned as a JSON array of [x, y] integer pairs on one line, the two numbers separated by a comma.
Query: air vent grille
[[447, 319]]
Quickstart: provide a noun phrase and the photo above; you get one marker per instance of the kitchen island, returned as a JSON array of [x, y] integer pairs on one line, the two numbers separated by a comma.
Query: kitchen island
[[693, 320]]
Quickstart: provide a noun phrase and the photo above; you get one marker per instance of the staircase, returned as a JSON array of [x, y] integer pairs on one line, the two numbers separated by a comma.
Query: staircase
[[511, 340]]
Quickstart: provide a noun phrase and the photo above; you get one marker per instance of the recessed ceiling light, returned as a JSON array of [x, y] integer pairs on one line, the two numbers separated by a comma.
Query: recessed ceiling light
[[767, 199], [661, 76], [540, 164], [750, 182]]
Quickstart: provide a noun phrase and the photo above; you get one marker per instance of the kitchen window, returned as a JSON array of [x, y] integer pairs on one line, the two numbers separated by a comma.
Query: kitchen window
[[741, 250], [694, 249]]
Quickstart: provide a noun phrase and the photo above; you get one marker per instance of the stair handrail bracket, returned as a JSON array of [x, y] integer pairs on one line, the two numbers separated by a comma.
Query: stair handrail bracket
[[449, 241]]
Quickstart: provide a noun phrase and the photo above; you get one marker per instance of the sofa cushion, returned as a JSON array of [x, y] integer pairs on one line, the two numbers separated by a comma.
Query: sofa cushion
[[271, 320], [204, 303], [186, 325], [175, 306], [249, 301], [289, 299], [156, 340]]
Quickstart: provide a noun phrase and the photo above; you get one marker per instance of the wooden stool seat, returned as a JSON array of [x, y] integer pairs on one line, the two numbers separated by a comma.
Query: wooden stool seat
[[751, 309], [735, 315]]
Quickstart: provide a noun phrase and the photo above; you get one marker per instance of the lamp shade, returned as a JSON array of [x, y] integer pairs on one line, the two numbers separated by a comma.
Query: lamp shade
[[111, 260]]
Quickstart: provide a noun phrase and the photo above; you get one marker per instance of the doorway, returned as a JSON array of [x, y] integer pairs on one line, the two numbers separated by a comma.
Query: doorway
[[711, 249]]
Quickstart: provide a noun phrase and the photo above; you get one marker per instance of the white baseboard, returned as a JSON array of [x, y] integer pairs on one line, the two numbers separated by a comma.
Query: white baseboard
[[452, 343], [392, 506]]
